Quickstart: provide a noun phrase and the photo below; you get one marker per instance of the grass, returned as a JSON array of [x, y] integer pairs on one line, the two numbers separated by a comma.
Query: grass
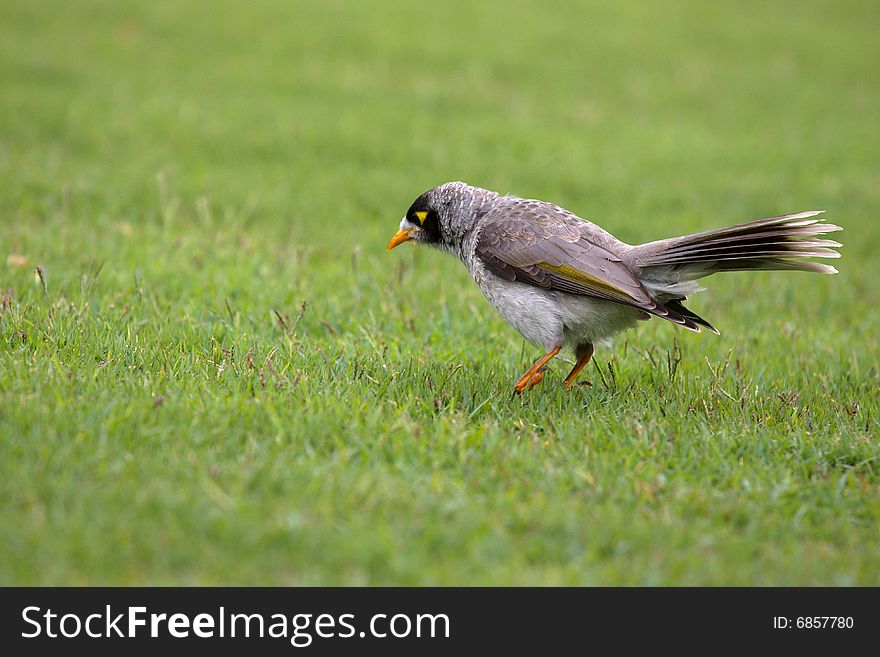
[[220, 377]]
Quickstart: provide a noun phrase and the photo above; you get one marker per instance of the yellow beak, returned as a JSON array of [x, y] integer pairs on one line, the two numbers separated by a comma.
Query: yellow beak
[[400, 237]]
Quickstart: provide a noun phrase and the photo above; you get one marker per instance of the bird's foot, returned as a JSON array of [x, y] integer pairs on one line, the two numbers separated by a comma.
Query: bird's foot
[[525, 383], [533, 376], [520, 386]]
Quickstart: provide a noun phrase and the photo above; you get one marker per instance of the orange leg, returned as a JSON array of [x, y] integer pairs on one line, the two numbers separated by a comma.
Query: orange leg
[[534, 371], [584, 353]]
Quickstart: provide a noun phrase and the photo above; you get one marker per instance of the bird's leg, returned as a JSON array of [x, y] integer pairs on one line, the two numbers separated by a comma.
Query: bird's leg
[[533, 370], [584, 352]]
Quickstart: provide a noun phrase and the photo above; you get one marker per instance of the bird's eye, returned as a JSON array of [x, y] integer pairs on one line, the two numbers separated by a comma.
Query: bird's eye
[[421, 216]]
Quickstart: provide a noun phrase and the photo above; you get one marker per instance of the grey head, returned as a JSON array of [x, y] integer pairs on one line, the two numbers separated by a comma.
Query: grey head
[[443, 216]]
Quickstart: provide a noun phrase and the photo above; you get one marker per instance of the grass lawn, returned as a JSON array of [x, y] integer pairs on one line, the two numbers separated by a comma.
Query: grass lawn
[[221, 377]]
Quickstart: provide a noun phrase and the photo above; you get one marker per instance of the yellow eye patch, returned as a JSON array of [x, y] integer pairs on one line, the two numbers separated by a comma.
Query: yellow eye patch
[[421, 216]]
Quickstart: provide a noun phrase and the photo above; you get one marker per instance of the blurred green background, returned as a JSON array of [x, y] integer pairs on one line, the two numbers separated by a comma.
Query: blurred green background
[[221, 376]]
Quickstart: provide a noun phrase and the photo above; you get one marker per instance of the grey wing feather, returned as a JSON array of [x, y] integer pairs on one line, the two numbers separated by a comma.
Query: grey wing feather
[[558, 251], [560, 258]]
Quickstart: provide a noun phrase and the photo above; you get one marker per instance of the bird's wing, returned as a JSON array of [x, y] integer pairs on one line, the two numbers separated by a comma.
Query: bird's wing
[[558, 252]]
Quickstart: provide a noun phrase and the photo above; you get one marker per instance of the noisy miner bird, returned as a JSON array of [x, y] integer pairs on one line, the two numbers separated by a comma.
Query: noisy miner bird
[[562, 281]]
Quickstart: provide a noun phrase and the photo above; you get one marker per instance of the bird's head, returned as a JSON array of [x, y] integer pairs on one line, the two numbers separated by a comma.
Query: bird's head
[[442, 216]]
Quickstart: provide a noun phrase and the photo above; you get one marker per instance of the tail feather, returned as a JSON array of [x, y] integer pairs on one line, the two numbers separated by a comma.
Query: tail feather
[[769, 251], [774, 243], [670, 267], [744, 245], [784, 222], [695, 270], [804, 232]]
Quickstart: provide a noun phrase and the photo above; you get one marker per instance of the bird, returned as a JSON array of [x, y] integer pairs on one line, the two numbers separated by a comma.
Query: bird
[[564, 282]]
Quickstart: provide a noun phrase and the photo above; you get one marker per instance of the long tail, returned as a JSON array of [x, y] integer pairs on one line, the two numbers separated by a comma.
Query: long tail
[[669, 267], [775, 243]]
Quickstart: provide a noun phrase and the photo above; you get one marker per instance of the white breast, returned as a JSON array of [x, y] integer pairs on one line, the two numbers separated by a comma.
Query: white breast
[[530, 310]]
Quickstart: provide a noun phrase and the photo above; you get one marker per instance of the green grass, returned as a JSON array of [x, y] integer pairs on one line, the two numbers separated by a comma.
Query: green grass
[[223, 377]]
